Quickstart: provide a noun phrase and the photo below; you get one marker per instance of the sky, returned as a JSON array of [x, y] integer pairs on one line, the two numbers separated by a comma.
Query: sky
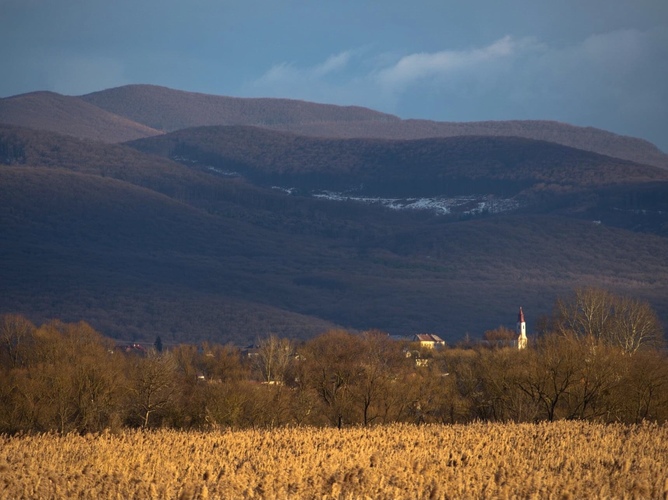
[[600, 63]]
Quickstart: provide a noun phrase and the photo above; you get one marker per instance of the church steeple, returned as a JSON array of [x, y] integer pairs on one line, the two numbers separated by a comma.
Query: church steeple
[[521, 330]]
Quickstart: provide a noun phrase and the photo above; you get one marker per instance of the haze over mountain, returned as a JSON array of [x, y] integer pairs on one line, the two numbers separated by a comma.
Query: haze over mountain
[[232, 232]]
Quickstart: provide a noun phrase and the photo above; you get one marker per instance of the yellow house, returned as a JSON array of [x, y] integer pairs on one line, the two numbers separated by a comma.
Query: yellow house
[[428, 340]]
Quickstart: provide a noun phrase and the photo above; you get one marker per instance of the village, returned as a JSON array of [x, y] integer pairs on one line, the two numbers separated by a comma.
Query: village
[[420, 346]]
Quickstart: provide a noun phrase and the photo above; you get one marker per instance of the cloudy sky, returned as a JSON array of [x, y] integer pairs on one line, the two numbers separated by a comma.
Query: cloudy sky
[[601, 63]]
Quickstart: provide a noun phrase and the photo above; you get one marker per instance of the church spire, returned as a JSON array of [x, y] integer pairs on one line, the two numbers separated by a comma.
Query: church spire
[[521, 330]]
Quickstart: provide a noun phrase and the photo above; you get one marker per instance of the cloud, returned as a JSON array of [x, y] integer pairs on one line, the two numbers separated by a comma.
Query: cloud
[[334, 63], [613, 80], [614, 77], [285, 73], [416, 68], [338, 79], [382, 80]]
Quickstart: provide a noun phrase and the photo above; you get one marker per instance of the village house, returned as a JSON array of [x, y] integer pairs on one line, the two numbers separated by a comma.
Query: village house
[[428, 340]]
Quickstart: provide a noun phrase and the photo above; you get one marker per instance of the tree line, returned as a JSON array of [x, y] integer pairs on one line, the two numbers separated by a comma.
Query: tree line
[[599, 357]]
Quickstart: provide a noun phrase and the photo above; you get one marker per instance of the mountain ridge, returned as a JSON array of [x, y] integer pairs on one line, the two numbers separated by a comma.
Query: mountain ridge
[[69, 115], [585, 138], [169, 110], [146, 110], [438, 163]]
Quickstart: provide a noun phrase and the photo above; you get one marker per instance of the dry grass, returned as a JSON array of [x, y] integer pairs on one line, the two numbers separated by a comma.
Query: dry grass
[[557, 460]]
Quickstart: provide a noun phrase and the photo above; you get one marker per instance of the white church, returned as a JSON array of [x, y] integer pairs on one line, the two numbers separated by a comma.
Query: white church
[[521, 330]]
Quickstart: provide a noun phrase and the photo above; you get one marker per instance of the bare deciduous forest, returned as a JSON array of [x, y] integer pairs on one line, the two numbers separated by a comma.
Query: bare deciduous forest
[[598, 359]]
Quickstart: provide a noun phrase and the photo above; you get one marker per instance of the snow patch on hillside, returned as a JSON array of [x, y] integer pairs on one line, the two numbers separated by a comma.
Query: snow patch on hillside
[[225, 173], [468, 205]]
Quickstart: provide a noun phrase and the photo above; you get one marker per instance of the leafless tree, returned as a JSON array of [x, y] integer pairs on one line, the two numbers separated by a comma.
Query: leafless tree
[[551, 373], [635, 325], [500, 336], [614, 320], [15, 334], [329, 366], [152, 385], [644, 395], [274, 356]]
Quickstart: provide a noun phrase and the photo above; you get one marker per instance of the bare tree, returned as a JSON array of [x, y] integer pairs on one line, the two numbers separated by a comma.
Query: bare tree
[[500, 336], [274, 357], [635, 325], [15, 334], [551, 373], [587, 313], [501, 374], [152, 385], [222, 363], [617, 321], [644, 395], [329, 366], [379, 364]]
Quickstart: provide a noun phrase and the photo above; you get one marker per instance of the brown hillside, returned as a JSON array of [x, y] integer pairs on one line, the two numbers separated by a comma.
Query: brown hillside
[[135, 111], [585, 138], [20, 146], [387, 165], [198, 187], [140, 245], [71, 116], [134, 262], [167, 109], [138, 264]]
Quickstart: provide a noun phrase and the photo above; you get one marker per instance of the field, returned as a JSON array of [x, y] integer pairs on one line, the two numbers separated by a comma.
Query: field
[[548, 460]]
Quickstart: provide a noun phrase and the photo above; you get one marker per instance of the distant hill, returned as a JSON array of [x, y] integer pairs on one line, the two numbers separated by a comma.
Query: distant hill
[[585, 138], [69, 115], [137, 264], [134, 263], [453, 165], [140, 245], [168, 110], [136, 111]]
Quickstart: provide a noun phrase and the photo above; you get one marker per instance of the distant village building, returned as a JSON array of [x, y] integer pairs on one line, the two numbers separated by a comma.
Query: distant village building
[[134, 348], [521, 331], [429, 340]]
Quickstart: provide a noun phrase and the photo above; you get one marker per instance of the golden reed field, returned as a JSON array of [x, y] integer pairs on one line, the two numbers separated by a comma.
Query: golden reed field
[[547, 460]]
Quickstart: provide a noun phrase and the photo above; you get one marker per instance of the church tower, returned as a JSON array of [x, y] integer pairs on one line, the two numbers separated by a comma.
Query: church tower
[[521, 331]]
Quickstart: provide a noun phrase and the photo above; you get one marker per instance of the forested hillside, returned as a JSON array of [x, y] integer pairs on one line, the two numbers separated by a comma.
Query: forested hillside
[[230, 233], [160, 249], [578, 369], [168, 109], [419, 167], [71, 116], [135, 111], [585, 138]]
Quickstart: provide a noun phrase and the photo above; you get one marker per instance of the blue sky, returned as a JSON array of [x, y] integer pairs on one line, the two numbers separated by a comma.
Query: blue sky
[[601, 63]]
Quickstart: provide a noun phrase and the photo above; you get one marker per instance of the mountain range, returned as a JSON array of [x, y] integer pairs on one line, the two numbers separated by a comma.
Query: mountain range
[[150, 211]]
